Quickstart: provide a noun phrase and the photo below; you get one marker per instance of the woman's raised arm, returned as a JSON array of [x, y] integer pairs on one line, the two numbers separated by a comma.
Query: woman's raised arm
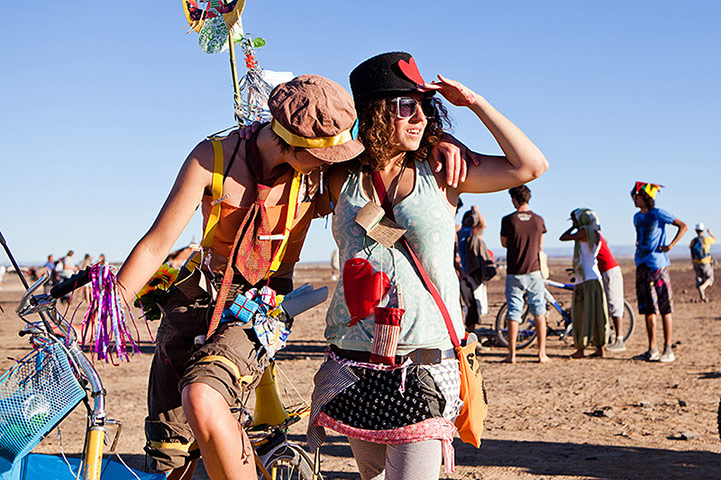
[[523, 160]]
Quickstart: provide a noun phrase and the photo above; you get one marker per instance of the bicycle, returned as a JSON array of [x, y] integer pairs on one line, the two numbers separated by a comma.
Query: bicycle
[[558, 320], [39, 391], [277, 457], [47, 384]]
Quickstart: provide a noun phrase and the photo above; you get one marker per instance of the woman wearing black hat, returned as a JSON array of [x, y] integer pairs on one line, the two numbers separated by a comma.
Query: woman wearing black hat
[[390, 381]]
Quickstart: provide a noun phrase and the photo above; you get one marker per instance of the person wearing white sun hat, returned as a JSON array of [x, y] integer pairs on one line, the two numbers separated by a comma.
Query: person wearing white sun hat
[[700, 248]]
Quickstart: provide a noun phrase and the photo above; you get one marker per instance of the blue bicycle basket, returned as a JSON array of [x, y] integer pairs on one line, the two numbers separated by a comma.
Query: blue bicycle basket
[[35, 395]]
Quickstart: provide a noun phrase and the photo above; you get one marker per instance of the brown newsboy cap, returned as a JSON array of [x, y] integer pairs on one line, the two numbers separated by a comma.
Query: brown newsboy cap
[[316, 113]]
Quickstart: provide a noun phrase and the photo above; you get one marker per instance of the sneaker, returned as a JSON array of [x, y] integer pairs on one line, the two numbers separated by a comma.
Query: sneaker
[[649, 356], [616, 346], [667, 356]]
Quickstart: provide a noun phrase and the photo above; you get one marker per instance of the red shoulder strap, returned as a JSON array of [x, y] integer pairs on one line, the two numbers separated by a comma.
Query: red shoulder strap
[[386, 204]]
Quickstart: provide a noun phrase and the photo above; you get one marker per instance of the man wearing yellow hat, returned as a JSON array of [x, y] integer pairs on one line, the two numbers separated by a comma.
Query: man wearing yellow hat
[[653, 283]]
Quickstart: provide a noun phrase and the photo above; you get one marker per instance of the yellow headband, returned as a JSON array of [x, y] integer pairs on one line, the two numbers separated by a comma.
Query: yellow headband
[[317, 142]]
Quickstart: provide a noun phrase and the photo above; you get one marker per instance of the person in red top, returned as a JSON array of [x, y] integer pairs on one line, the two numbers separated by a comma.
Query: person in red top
[[613, 285]]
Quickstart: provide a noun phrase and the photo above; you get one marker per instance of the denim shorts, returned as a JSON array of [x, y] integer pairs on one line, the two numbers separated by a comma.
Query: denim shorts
[[532, 287]]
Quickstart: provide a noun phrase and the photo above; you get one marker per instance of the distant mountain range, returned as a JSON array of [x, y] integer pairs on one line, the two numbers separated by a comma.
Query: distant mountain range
[[626, 251]]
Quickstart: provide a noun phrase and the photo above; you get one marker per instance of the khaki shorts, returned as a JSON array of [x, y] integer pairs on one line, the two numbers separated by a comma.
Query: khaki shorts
[[704, 272], [613, 286], [226, 362]]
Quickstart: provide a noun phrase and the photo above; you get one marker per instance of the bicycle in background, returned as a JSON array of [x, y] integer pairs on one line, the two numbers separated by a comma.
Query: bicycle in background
[[558, 320]]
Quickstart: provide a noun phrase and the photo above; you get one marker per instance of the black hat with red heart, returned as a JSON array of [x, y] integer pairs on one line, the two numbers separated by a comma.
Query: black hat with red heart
[[386, 74]]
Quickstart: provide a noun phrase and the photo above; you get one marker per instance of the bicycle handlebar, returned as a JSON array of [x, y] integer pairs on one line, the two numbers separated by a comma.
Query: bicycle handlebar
[[72, 283], [564, 286]]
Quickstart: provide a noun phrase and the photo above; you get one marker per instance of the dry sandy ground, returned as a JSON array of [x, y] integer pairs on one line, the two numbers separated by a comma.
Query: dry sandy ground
[[540, 423]]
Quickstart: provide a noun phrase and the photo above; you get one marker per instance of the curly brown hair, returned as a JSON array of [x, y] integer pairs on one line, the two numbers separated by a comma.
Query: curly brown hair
[[376, 116]]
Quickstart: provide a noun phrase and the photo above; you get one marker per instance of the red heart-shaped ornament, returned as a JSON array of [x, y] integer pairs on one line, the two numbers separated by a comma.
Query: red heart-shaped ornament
[[362, 288], [410, 70]]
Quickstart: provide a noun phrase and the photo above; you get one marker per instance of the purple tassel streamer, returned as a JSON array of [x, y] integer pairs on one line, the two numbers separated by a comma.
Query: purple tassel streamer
[[105, 320]]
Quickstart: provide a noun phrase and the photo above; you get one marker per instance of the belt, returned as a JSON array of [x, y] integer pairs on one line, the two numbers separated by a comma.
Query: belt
[[420, 356], [240, 285]]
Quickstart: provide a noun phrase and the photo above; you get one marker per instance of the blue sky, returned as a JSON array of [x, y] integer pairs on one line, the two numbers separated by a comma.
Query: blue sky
[[101, 104]]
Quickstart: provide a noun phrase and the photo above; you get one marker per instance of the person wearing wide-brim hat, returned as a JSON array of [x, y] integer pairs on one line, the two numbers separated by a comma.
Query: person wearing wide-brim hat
[[402, 436], [257, 197]]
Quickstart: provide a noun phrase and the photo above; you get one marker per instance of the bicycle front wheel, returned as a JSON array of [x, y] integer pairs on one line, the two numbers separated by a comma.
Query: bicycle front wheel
[[627, 323], [628, 320], [290, 463], [526, 329]]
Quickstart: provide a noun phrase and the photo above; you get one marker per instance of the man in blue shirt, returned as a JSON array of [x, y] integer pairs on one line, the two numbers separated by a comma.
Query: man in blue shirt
[[49, 266], [653, 283]]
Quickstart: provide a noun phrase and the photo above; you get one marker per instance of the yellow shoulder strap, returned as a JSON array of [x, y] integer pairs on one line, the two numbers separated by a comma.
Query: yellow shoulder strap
[[290, 216], [216, 187]]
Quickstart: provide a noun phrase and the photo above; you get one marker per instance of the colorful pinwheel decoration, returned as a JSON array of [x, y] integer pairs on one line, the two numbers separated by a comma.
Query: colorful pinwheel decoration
[[219, 26], [216, 21]]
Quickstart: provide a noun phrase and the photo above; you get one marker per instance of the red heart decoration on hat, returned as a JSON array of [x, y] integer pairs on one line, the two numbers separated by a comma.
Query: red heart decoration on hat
[[410, 70], [362, 288]]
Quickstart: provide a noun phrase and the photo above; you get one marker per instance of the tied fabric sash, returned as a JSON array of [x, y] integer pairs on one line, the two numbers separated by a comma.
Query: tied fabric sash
[[253, 257], [251, 253], [254, 224]]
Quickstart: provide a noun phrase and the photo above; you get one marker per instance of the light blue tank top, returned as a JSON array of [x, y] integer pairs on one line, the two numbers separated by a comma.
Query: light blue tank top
[[430, 229]]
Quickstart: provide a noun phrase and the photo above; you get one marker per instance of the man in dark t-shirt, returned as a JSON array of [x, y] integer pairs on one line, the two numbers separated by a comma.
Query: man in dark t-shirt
[[522, 235]]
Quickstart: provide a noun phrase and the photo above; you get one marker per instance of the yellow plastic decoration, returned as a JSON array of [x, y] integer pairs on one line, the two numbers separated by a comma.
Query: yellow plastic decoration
[[197, 11]]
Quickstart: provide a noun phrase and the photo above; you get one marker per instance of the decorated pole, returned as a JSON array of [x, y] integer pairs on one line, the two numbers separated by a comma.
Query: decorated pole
[[219, 27], [233, 68]]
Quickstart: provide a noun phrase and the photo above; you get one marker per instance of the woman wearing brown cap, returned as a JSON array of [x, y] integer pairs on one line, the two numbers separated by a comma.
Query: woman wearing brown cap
[[257, 197], [390, 381]]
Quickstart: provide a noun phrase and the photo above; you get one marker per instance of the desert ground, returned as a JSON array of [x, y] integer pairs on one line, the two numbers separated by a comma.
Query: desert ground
[[613, 418]]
